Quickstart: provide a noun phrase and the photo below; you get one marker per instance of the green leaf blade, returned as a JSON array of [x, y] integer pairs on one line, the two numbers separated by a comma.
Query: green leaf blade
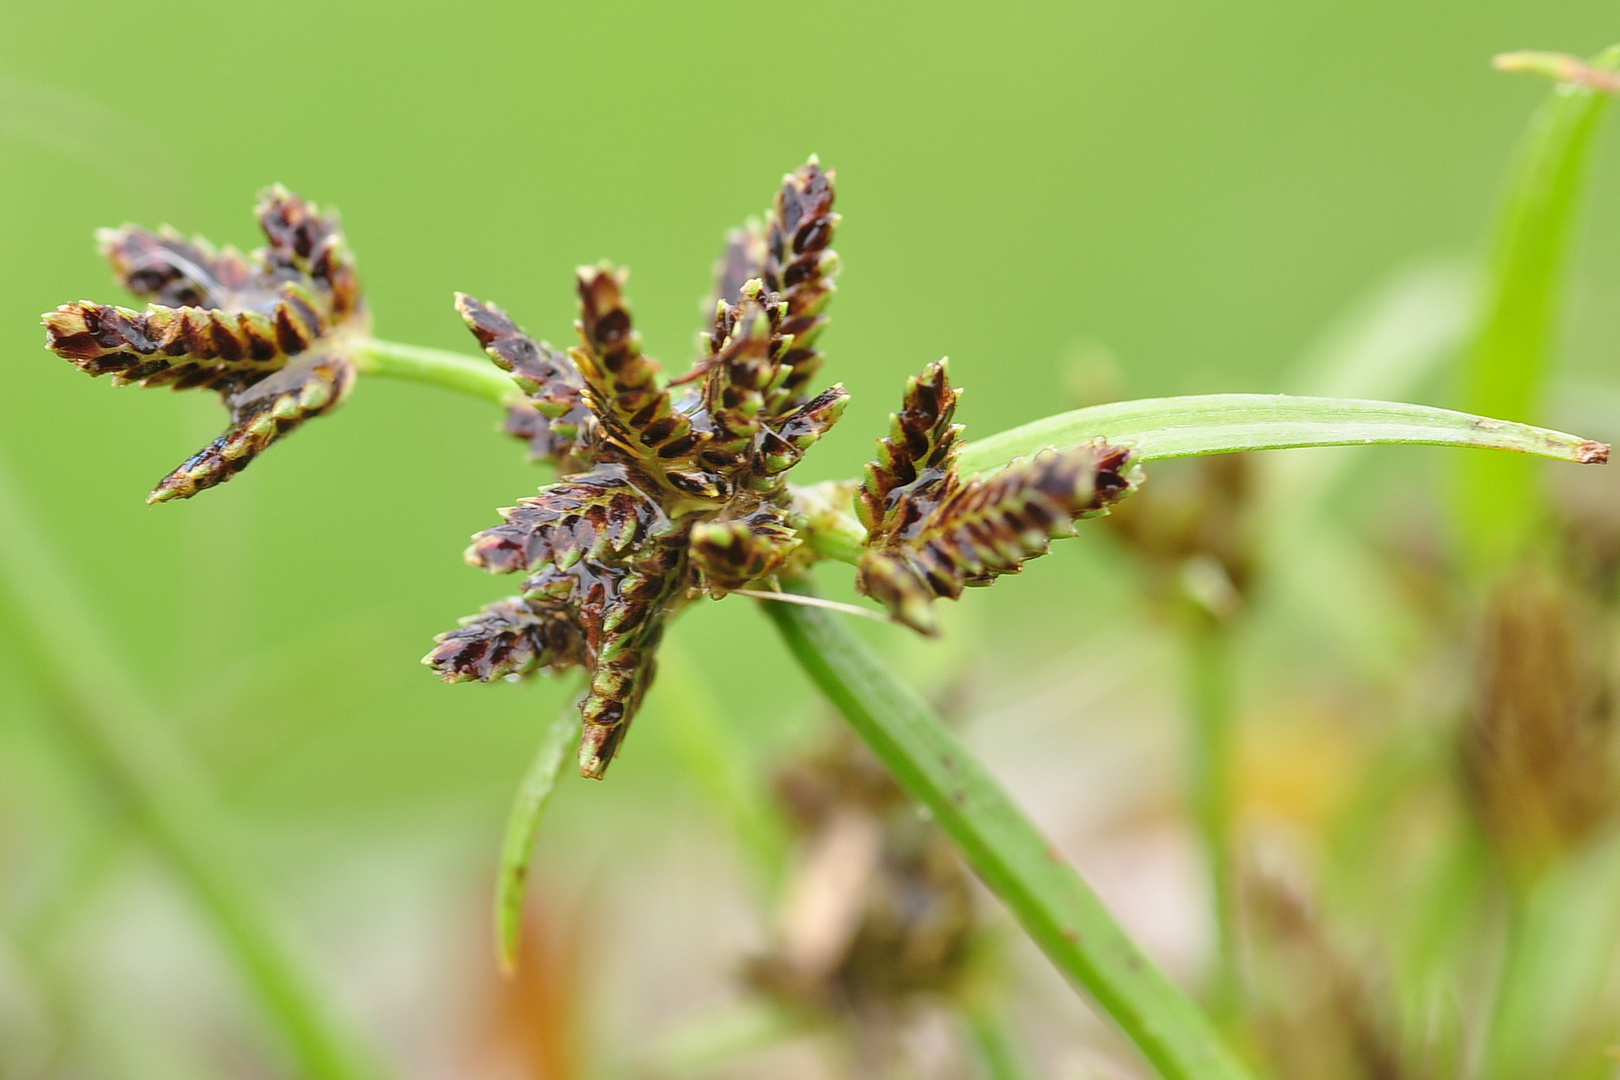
[[1160, 428], [1498, 498], [1050, 900], [523, 827]]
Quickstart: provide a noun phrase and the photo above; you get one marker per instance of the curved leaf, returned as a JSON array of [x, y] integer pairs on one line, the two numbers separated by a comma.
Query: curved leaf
[[523, 825], [1050, 900], [1158, 428]]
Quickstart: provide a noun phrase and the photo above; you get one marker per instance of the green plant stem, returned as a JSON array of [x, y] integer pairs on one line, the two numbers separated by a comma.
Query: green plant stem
[[523, 827], [1510, 1037], [999, 1052], [1210, 765], [1499, 499], [1049, 899], [439, 367], [118, 742]]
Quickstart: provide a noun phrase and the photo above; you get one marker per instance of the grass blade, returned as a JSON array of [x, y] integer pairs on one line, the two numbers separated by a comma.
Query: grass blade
[[1159, 428], [119, 741], [1054, 906], [523, 826], [1498, 498]]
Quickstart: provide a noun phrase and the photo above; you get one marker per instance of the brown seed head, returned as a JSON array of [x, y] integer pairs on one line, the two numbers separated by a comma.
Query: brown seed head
[[931, 533], [670, 489], [1539, 750], [272, 332]]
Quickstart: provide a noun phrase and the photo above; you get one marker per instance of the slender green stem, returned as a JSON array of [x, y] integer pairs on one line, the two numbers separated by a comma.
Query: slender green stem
[[1210, 753], [439, 367], [1510, 1036], [1000, 1054], [120, 744], [523, 827], [1049, 899]]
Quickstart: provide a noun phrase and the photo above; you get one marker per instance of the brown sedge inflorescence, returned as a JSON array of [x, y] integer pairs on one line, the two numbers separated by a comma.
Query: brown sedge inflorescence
[[667, 489]]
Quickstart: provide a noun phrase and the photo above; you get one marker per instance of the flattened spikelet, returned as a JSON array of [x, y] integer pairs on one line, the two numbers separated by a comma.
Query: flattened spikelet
[[556, 423], [931, 533], [670, 489], [508, 638]]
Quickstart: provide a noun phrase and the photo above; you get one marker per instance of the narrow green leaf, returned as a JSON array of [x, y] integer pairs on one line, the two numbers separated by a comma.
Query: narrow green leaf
[[1499, 499], [523, 826], [1158, 428], [1050, 900]]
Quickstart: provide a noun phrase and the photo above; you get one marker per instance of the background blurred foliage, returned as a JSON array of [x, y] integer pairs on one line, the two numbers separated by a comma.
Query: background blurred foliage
[[1204, 189]]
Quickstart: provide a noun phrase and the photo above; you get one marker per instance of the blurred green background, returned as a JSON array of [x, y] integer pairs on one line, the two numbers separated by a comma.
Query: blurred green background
[[1198, 190]]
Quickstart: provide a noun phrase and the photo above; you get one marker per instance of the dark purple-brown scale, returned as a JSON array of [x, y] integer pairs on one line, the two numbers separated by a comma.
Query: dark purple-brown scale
[[662, 497]]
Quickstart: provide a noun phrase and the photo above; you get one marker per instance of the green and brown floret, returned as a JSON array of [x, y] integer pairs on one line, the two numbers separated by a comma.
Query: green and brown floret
[[273, 332], [669, 489], [932, 532]]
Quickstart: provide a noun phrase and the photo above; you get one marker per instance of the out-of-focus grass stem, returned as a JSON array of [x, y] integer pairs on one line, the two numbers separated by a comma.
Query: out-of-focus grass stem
[[1001, 1056], [1500, 500], [117, 740], [1208, 647]]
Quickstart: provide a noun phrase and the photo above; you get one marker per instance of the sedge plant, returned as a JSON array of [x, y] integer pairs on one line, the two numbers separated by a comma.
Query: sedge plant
[[669, 491]]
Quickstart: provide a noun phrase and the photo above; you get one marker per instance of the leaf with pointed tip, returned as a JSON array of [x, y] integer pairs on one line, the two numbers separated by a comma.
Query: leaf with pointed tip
[[1155, 429], [523, 827]]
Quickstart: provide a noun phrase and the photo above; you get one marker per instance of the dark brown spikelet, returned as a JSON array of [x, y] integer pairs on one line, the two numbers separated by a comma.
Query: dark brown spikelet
[[742, 261], [273, 332], [800, 266], [670, 490], [624, 387], [932, 533], [509, 638], [729, 554], [593, 515], [556, 422]]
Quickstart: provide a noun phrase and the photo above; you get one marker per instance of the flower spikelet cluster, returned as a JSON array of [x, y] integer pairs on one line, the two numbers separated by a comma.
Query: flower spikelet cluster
[[272, 332], [931, 532], [669, 488]]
